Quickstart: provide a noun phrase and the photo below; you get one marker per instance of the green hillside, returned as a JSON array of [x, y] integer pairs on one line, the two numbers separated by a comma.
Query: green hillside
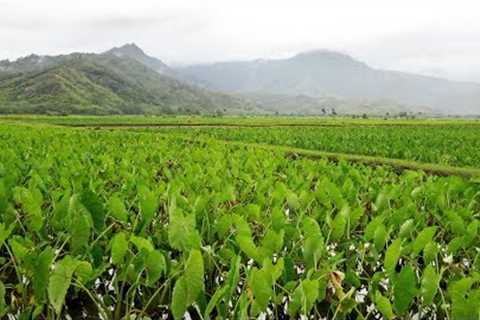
[[107, 84]]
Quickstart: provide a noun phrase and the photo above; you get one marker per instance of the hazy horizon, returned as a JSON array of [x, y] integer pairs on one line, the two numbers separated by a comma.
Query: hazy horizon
[[435, 39]]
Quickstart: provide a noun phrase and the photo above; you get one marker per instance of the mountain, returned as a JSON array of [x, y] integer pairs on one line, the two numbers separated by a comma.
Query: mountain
[[323, 73], [132, 51], [104, 84]]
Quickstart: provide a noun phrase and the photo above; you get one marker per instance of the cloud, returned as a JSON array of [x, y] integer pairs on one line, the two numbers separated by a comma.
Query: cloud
[[428, 36]]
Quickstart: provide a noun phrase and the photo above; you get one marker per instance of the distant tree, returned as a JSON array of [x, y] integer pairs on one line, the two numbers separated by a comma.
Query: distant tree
[[324, 111], [364, 116], [334, 112]]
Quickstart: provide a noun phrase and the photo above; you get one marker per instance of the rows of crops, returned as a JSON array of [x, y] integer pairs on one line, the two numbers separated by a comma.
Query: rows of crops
[[447, 145], [127, 224]]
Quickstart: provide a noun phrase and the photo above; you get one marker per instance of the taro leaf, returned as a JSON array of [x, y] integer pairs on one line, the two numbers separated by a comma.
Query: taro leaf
[[273, 270], [406, 228], [304, 297], [189, 285], [119, 245], [244, 239], [313, 243], [380, 237], [259, 281], [455, 244], [3, 305], [392, 255], [472, 231], [404, 289], [272, 243], [194, 274], [84, 272], [80, 227], [95, 206], [5, 233], [339, 223], [456, 223], [155, 266], [214, 300], [117, 209], [424, 237], [278, 219], [383, 305], [180, 298], [372, 227], [182, 234], [19, 247], [322, 291], [465, 302], [60, 219], [430, 252], [148, 206], [60, 281], [40, 276], [222, 226], [310, 226], [312, 249], [233, 277], [381, 202], [32, 207], [142, 243], [429, 284]]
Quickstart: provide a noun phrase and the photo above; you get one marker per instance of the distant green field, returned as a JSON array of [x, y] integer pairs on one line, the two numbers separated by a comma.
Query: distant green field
[[449, 144], [232, 121]]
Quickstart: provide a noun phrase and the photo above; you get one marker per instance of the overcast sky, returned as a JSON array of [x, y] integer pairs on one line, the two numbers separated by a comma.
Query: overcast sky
[[431, 37]]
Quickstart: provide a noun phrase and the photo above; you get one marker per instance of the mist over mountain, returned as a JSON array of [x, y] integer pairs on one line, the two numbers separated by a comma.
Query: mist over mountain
[[327, 73]]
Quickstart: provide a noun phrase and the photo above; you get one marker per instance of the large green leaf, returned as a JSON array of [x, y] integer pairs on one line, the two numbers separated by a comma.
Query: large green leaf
[[32, 206], [304, 297], [155, 266], [429, 284], [180, 301], [60, 281], [42, 271], [339, 223], [392, 255], [404, 289], [148, 206], [182, 234], [259, 282], [119, 248], [94, 205], [383, 305], [80, 228], [117, 209], [189, 285], [424, 237]]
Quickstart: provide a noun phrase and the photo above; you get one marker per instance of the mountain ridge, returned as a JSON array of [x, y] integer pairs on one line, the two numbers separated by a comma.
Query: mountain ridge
[[104, 84], [320, 73]]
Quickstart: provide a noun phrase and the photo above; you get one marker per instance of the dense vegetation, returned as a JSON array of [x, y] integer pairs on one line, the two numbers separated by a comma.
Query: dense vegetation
[[120, 223], [105, 84], [453, 145]]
